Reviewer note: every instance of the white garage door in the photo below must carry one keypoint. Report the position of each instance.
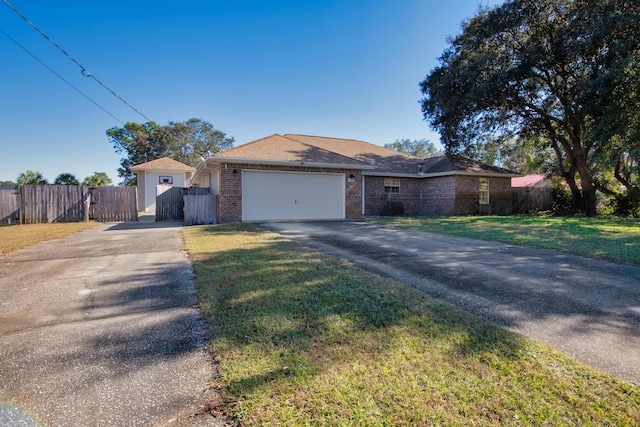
(292, 195)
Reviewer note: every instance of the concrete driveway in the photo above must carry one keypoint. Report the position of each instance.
(99, 329)
(588, 309)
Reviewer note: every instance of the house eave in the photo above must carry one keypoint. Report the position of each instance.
(439, 174)
(173, 171)
(221, 160)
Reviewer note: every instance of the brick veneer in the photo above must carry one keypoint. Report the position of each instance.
(230, 199)
(446, 195)
(467, 196)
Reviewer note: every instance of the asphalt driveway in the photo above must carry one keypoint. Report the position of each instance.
(99, 328)
(588, 309)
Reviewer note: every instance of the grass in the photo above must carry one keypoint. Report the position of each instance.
(14, 237)
(302, 339)
(611, 239)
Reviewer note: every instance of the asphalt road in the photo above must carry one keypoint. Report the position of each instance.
(586, 308)
(99, 329)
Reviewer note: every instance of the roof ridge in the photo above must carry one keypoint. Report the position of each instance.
(323, 137)
(246, 143)
(377, 147)
(322, 148)
(158, 164)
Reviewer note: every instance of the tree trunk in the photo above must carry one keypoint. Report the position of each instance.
(589, 200)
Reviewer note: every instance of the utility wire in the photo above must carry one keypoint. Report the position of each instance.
(83, 70)
(59, 76)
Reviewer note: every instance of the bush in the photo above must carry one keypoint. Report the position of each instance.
(562, 201)
(628, 203)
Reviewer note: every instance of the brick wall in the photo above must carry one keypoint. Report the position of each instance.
(447, 195)
(440, 195)
(379, 203)
(467, 199)
(230, 197)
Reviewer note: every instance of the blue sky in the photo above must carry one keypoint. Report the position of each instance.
(346, 69)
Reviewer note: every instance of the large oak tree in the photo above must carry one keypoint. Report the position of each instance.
(564, 73)
(187, 142)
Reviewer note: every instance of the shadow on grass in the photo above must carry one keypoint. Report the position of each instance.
(291, 313)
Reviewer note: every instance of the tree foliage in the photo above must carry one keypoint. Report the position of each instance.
(562, 73)
(98, 179)
(31, 178)
(418, 147)
(187, 142)
(66, 179)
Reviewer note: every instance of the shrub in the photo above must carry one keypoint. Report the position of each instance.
(628, 203)
(563, 203)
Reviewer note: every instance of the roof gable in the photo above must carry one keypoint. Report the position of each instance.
(295, 148)
(384, 159)
(459, 164)
(164, 163)
(283, 149)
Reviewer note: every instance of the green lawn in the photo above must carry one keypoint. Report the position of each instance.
(616, 240)
(302, 339)
(14, 237)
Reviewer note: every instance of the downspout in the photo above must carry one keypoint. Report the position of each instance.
(363, 195)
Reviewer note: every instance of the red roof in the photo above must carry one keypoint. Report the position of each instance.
(532, 180)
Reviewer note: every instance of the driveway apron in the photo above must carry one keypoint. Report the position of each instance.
(586, 308)
(99, 328)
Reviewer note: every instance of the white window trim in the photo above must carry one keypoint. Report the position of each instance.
(483, 193)
(391, 184)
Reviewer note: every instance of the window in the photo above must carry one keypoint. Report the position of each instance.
(392, 185)
(166, 180)
(483, 191)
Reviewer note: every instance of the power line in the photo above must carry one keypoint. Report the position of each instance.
(83, 69)
(59, 76)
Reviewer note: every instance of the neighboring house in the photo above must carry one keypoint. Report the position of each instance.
(164, 172)
(284, 177)
(531, 181)
(532, 193)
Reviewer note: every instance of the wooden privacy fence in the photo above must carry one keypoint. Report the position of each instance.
(169, 203)
(54, 203)
(10, 207)
(527, 200)
(33, 204)
(190, 205)
(199, 209)
(114, 204)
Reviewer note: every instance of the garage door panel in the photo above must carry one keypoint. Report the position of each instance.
(284, 195)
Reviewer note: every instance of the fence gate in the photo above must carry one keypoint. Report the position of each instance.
(169, 203)
(10, 206)
(199, 208)
(114, 204)
(190, 205)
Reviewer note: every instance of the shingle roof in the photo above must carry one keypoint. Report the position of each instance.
(444, 164)
(318, 149)
(384, 159)
(280, 148)
(164, 163)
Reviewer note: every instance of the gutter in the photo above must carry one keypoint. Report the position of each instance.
(439, 174)
(290, 163)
